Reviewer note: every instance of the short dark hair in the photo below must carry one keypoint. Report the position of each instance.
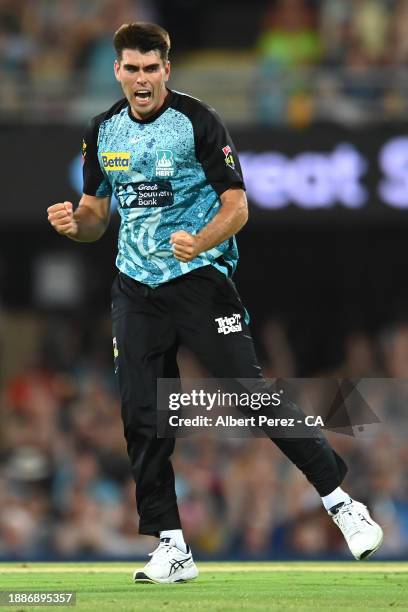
(142, 36)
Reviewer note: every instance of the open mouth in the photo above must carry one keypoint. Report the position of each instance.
(143, 95)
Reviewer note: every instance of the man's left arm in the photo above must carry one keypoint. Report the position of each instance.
(231, 217)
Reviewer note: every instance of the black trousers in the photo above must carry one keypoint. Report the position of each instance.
(148, 326)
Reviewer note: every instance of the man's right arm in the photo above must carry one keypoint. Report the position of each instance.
(87, 223)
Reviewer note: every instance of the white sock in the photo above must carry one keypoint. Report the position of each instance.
(335, 497)
(177, 536)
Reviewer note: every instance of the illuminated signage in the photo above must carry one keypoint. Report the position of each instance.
(316, 180)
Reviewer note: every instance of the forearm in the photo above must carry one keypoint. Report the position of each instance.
(86, 224)
(90, 226)
(231, 217)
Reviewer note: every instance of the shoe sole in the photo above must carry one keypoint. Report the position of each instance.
(143, 578)
(367, 553)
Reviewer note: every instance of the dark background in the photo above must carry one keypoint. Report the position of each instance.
(323, 272)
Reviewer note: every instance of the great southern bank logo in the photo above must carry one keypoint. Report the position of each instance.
(115, 161)
(229, 325)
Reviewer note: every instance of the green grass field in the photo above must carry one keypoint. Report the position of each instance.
(333, 587)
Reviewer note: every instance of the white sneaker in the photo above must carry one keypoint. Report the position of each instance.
(363, 535)
(167, 564)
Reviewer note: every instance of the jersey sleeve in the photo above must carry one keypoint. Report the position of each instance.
(216, 153)
(95, 181)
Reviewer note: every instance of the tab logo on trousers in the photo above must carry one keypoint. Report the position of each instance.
(229, 325)
(115, 161)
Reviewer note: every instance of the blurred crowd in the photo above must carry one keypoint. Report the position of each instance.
(66, 487)
(65, 482)
(327, 59)
(334, 59)
(60, 49)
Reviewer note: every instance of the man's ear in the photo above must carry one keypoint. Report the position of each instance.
(116, 69)
(167, 71)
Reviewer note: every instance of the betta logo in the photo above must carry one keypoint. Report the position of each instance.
(115, 161)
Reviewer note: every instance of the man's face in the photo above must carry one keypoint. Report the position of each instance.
(143, 77)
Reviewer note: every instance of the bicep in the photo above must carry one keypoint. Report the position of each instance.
(96, 182)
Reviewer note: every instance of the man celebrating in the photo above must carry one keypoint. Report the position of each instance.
(174, 169)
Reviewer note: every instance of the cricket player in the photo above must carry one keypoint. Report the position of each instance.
(173, 167)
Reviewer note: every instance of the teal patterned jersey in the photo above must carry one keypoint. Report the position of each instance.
(167, 173)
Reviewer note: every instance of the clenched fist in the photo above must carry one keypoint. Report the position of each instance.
(61, 217)
(185, 246)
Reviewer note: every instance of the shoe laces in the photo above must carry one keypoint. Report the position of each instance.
(350, 520)
(161, 552)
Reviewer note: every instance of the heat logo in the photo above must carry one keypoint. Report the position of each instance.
(229, 325)
(164, 162)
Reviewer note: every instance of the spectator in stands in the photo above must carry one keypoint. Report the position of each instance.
(280, 359)
(399, 25)
(289, 35)
(334, 27)
(288, 44)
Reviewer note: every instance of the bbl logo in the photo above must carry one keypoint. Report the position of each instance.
(164, 162)
(84, 145)
(229, 159)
